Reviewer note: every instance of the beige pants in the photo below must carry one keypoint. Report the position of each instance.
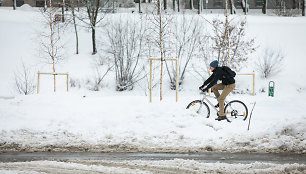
(226, 90)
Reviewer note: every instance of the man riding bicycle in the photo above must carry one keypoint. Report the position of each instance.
(227, 85)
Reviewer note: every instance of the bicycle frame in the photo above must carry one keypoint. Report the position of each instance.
(209, 102)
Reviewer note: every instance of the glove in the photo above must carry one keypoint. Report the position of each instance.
(205, 90)
(201, 87)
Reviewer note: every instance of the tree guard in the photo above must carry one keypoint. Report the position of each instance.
(53, 74)
(176, 82)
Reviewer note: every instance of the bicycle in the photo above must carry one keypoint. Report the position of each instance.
(234, 109)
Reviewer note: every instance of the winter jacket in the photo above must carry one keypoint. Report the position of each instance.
(218, 74)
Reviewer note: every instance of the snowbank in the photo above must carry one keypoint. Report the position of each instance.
(67, 122)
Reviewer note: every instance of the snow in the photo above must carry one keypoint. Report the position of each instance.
(106, 120)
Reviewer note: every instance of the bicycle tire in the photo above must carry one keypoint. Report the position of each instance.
(196, 104)
(236, 109)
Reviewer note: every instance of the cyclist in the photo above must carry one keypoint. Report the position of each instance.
(227, 85)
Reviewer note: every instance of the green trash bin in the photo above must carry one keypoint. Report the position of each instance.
(271, 88)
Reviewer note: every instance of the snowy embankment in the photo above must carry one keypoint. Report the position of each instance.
(125, 123)
(83, 120)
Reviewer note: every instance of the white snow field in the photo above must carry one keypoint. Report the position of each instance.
(111, 121)
(83, 120)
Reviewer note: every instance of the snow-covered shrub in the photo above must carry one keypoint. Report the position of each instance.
(102, 68)
(125, 47)
(24, 80)
(269, 63)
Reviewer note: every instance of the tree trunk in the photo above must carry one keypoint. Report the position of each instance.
(191, 4)
(14, 4)
(45, 6)
(246, 7)
(178, 5)
(264, 7)
(173, 5)
(303, 8)
(63, 14)
(199, 5)
(93, 35)
(165, 4)
(139, 6)
(75, 30)
(293, 4)
(231, 6)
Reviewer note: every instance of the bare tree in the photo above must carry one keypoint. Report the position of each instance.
(93, 17)
(188, 31)
(270, 63)
(236, 52)
(160, 34)
(125, 46)
(72, 5)
(24, 80)
(283, 8)
(51, 52)
(75, 30)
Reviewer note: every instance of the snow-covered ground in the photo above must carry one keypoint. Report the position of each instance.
(83, 120)
(101, 123)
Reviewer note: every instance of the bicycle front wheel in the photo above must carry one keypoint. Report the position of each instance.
(199, 107)
(236, 110)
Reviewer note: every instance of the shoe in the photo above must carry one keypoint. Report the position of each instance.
(220, 118)
(217, 105)
(218, 114)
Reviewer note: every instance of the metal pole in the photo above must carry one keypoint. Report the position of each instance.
(251, 116)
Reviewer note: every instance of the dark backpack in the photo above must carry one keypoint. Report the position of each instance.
(228, 71)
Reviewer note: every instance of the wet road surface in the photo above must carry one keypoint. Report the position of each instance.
(208, 157)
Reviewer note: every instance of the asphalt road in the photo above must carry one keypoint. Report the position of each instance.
(209, 157)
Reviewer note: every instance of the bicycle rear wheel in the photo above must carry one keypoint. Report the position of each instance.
(199, 107)
(236, 110)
